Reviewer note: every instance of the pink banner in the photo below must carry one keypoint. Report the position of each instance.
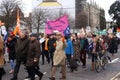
(60, 25)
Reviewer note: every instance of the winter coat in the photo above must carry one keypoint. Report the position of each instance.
(96, 47)
(84, 44)
(1, 53)
(22, 49)
(69, 49)
(76, 46)
(1, 61)
(11, 46)
(59, 54)
(33, 53)
(51, 45)
(112, 45)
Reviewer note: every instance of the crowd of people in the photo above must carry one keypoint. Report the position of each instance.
(59, 50)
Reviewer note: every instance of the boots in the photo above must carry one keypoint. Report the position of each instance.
(40, 77)
(52, 78)
(92, 66)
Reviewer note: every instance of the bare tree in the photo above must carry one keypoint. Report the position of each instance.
(81, 20)
(6, 9)
(38, 18)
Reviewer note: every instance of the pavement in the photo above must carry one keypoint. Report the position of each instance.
(112, 71)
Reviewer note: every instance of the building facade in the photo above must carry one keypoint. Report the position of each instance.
(95, 15)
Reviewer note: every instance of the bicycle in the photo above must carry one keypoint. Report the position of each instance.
(101, 61)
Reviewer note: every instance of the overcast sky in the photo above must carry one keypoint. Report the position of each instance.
(105, 4)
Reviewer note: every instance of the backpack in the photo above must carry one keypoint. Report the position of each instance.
(73, 64)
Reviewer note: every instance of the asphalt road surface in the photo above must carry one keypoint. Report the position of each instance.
(111, 73)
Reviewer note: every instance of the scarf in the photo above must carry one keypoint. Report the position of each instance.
(46, 44)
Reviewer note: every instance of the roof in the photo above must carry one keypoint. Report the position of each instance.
(50, 4)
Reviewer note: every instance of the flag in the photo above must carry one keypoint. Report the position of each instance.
(17, 28)
(60, 25)
(118, 29)
(0, 22)
(67, 31)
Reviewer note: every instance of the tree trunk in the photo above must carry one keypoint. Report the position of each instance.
(38, 27)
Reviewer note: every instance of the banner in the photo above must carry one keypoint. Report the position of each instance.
(17, 28)
(60, 25)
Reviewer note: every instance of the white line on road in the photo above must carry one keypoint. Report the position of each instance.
(114, 78)
(115, 60)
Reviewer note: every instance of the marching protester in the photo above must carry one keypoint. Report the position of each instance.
(97, 48)
(93, 45)
(1, 57)
(45, 48)
(83, 49)
(76, 46)
(33, 58)
(89, 51)
(52, 41)
(111, 44)
(69, 50)
(11, 42)
(59, 57)
(76, 54)
(116, 44)
(21, 50)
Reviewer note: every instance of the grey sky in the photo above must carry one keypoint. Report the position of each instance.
(105, 4)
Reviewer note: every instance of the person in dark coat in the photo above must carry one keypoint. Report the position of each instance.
(116, 44)
(52, 41)
(11, 42)
(21, 50)
(111, 44)
(45, 48)
(33, 58)
(83, 45)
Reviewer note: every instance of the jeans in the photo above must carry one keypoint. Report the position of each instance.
(12, 64)
(16, 69)
(68, 59)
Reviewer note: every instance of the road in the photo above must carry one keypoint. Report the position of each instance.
(111, 73)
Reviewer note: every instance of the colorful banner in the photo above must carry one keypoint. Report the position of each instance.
(60, 25)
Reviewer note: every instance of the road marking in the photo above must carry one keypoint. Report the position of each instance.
(115, 77)
(115, 60)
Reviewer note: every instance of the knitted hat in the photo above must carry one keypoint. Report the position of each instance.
(33, 35)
